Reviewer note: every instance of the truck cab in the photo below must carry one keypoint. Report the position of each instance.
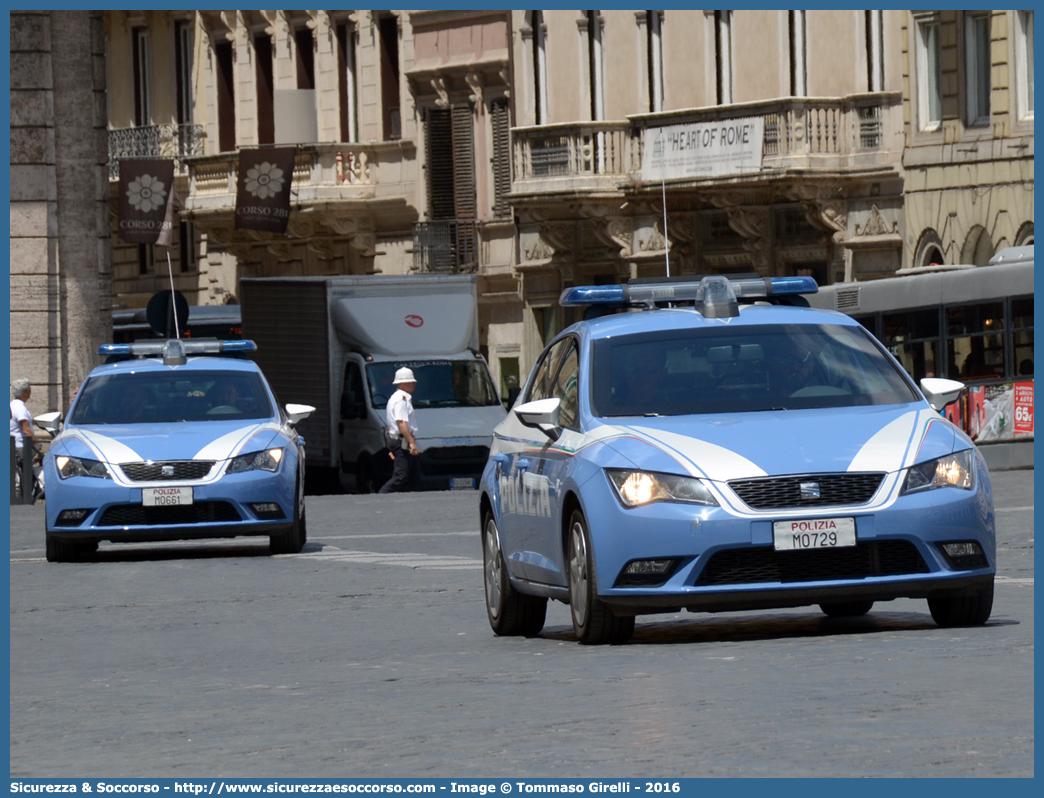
(456, 407)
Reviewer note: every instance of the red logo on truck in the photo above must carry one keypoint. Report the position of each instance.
(414, 321)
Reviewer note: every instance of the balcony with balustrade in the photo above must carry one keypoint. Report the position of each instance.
(802, 135)
(154, 141)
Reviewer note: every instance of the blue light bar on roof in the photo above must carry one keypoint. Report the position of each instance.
(682, 291)
(158, 348)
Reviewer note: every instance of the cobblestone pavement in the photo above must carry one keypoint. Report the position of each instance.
(369, 654)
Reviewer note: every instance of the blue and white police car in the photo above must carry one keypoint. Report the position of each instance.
(724, 447)
(175, 443)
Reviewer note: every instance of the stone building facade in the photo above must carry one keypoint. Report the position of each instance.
(510, 144)
(61, 279)
(968, 121)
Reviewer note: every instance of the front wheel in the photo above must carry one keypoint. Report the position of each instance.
(973, 610)
(510, 612)
(593, 620)
(64, 550)
(293, 540)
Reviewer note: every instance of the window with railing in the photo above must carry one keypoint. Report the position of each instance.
(445, 247)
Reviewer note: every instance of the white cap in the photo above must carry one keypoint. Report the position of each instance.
(403, 375)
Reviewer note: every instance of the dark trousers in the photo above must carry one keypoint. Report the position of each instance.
(406, 474)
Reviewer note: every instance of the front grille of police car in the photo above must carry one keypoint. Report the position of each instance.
(169, 515)
(167, 470)
(764, 564)
(776, 493)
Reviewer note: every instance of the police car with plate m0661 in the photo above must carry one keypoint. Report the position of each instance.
(175, 440)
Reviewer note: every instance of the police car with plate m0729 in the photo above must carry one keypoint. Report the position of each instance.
(176, 440)
(722, 447)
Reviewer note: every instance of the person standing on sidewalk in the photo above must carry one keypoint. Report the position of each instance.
(21, 420)
(402, 432)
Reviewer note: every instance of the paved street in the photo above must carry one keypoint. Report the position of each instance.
(369, 654)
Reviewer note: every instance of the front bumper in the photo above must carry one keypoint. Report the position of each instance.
(724, 561)
(223, 508)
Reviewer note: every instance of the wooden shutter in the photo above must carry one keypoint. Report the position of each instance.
(463, 161)
(501, 117)
(441, 204)
(226, 96)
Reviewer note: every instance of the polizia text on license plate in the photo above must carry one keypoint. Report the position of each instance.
(813, 533)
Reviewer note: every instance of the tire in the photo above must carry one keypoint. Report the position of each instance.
(510, 613)
(593, 620)
(293, 540)
(62, 550)
(847, 609)
(972, 610)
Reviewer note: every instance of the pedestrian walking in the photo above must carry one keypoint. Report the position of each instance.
(402, 433)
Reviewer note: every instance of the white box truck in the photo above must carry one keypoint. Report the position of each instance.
(336, 342)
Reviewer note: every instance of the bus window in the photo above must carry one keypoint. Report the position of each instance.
(1022, 335)
(913, 339)
(975, 340)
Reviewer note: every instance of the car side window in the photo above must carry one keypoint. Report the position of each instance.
(566, 389)
(542, 386)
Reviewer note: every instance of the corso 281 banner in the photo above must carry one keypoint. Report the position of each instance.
(263, 195)
(146, 201)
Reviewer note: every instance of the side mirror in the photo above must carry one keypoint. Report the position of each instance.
(52, 422)
(542, 414)
(298, 413)
(940, 392)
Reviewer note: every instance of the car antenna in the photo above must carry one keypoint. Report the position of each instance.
(173, 312)
(666, 241)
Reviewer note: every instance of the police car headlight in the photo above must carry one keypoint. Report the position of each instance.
(952, 471)
(80, 467)
(268, 460)
(637, 488)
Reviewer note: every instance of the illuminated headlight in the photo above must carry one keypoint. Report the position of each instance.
(952, 471)
(637, 488)
(80, 467)
(267, 460)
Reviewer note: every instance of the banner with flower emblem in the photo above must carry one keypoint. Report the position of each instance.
(263, 197)
(146, 204)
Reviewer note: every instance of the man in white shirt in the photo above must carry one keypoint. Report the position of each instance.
(21, 420)
(402, 431)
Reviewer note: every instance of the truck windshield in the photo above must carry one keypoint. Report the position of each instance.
(743, 369)
(164, 397)
(440, 383)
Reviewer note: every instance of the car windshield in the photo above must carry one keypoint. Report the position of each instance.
(440, 383)
(742, 369)
(163, 397)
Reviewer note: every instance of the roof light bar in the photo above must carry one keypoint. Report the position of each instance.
(638, 294)
(159, 348)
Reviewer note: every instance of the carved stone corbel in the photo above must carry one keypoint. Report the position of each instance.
(475, 84)
(755, 225)
(439, 84)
